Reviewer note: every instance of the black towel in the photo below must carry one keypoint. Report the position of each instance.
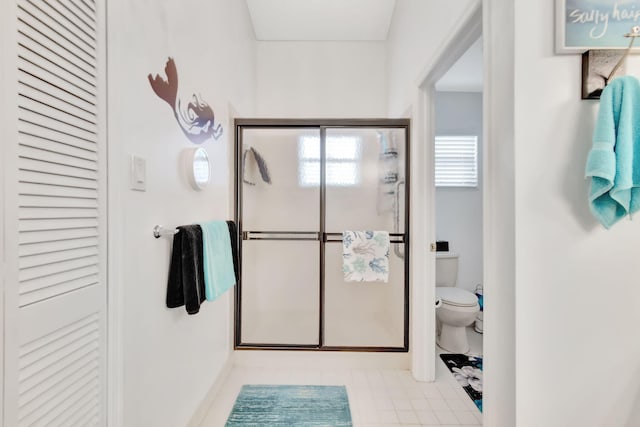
(233, 235)
(186, 272)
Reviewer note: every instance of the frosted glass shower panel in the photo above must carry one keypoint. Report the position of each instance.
(363, 314)
(280, 285)
(300, 185)
(291, 201)
(365, 179)
(369, 197)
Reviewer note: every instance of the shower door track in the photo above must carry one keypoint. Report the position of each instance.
(322, 237)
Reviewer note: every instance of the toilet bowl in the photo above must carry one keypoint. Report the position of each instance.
(458, 308)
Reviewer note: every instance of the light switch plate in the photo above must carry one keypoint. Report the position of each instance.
(138, 173)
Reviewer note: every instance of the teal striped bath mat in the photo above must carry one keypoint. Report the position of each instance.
(291, 405)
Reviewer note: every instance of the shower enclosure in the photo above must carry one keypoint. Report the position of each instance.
(299, 184)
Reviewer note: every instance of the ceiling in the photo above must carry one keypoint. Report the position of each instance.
(466, 74)
(350, 20)
(315, 20)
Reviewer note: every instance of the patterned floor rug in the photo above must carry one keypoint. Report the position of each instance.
(467, 370)
(291, 405)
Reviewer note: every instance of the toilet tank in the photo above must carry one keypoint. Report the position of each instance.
(446, 268)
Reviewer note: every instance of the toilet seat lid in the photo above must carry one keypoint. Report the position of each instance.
(456, 296)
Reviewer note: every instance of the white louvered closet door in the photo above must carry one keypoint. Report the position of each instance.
(55, 290)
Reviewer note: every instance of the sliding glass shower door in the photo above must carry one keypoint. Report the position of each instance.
(299, 185)
(280, 248)
(365, 170)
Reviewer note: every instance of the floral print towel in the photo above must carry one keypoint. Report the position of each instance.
(365, 256)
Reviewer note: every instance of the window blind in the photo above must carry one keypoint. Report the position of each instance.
(456, 161)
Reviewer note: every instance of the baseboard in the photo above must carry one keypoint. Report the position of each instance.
(203, 408)
(323, 360)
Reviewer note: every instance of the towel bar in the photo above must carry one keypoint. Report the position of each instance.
(159, 231)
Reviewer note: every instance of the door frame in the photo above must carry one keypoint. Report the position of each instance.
(116, 209)
(462, 36)
(494, 19)
(322, 125)
(8, 198)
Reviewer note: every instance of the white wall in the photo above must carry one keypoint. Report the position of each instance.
(334, 80)
(576, 283)
(170, 359)
(321, 79)
(459, 210)
(418, 30)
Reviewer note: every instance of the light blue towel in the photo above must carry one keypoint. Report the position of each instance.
(219, 275)
(365, 256)
(614, 161)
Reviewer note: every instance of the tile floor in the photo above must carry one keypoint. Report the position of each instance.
(376, 397)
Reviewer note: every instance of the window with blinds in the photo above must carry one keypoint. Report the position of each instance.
(456, 161)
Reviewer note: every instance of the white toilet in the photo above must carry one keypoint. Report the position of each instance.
(458, 309)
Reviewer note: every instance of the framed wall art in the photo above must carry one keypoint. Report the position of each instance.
(594, 24)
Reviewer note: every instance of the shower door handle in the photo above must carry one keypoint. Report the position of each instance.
(396, 217)
(337, 237)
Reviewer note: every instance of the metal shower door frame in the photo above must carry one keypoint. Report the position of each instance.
(322, 236)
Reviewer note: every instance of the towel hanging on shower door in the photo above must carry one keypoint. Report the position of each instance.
(365, 256)
(262, 166)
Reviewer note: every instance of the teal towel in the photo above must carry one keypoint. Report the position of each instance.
(614, 161)
(219, 275)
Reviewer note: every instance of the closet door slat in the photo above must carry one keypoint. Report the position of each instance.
(35, 22)
(56, 170)
(28, 250)
(57, 103)
(79, 15)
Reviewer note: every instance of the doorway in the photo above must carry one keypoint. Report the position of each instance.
(458, 186)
